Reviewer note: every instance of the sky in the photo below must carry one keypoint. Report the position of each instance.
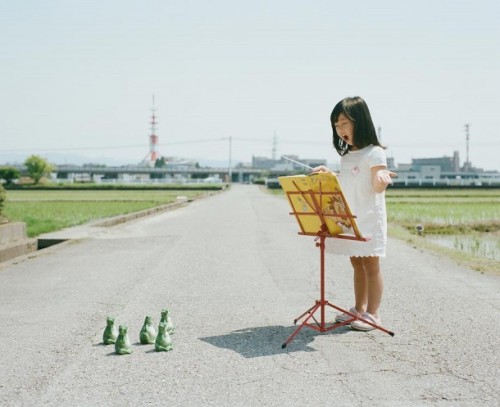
(232, 79)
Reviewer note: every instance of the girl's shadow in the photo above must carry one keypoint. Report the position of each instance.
(268, 340)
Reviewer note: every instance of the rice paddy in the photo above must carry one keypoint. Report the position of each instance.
(460, 223)
(445, 212)
(47, 211)
(466, 222)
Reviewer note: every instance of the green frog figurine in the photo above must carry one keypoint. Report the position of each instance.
(110, 332)
(163, 341)
(165, 318)
(148, 332)
(122, 345)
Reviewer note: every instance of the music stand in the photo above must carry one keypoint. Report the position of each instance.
(321, 210)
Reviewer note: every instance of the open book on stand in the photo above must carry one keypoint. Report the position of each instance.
(318, 202)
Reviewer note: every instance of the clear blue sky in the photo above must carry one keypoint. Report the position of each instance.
(78, 76)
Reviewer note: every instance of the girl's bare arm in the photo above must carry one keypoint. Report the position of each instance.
(381, 178)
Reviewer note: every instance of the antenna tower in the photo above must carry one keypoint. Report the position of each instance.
(153, 154)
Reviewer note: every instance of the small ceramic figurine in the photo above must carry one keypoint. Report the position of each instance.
(163, 341)
(122, 345)
(110, 332)
(148, 332)
(165, 318)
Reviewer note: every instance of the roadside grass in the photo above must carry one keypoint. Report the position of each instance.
(48, 211)
(453, 213)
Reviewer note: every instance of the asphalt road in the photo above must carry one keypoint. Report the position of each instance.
(234, 274)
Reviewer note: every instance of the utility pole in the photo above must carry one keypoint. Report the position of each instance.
(275, 142)
(467, 162)
(230, 158)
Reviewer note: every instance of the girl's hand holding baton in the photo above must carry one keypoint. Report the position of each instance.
(322, 168)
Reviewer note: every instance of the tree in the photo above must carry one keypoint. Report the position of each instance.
(8, 174)
(160, 163)
(37, 167)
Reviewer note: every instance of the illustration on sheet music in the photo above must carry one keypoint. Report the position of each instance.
(319, 193)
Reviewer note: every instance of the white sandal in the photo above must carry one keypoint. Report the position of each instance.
(344, 317)
(363, 326)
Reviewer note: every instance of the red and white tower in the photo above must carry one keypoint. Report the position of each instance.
(154, 153)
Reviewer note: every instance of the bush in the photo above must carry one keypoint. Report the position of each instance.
(9, 174)
(3, 196)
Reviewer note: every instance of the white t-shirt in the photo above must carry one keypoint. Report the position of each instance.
(367, 205)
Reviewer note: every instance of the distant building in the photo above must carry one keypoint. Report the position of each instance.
(428, 168)
(390, 162)
(443, 171)
(447, 164)
(180, 163)
(313, 162)
(264, 163)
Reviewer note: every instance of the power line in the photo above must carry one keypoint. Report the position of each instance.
(101, 147)
(119, 147)
(265, 141)
(69, 148)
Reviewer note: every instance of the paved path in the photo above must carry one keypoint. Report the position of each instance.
(234, 273)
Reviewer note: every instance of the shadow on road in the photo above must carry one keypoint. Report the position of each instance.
(267, 340)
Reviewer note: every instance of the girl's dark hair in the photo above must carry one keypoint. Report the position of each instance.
(356, 109)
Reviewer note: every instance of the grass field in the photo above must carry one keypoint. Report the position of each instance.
(47, 211)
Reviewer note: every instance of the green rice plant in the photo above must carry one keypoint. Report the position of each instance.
(444, 212)
(44, 217)
(446, 216)
(470, 217)
(475, 245)
(444, 193)
(96, 195)
(48, 211)
(458, 244)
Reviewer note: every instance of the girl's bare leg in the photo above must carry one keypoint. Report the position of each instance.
(360, 284)
(375, 284)
(368, 284)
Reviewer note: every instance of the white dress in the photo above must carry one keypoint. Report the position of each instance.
(367, 205)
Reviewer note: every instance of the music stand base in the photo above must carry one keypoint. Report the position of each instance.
(322, 326)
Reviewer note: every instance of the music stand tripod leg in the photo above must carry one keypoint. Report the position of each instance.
(311, 312)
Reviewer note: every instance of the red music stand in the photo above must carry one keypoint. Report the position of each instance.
(321, 210)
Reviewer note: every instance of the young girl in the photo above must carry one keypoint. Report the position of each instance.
(364, 178)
